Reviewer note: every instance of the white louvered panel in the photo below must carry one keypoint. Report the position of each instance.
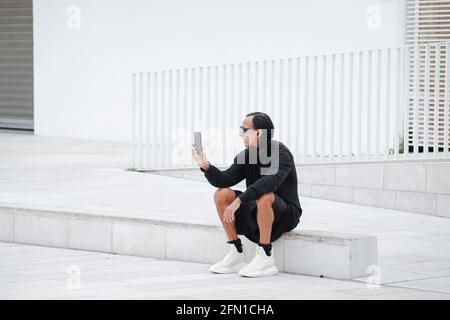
(16, 63)
(428, 21)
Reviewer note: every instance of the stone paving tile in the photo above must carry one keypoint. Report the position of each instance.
(107, 276)
(438, 284)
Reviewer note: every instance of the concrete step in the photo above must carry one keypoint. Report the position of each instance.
(307, 252)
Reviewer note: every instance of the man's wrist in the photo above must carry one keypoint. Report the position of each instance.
(205, 166)
(240, 198)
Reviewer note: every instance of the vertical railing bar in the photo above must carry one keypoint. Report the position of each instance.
(264, 87)
(437, 77)
(314, 106)
(178, 112)
(297, 106)
(200, 115)
(178, 99)
(141, 106)
(416, 79)
(208, 97)
(193, 99)
(323, 105)
(307, 106)
(388, 103)
(447, 99)
(216, 110)
(199, 120)
(341, 107)
(248, 85)
(398, 100)
(288, 112)
(163, 116)
(406, 104)
(272, 88)
(360, 105)
(186, 114)
(369, 104)
(256, 82)
(240, 91)
(378, 105)
(148, 119)
(137, 124)
(198, 100)
(233, 112)
(193, 113)
(416, 102)
(208, 111)
(224, 113)
(332, 105)
(155, 121)
(133, 121)
(171, 114)
(280, 96)
(350, 106)
(426, 101)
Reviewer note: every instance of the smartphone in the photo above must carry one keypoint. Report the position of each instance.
(198, 142)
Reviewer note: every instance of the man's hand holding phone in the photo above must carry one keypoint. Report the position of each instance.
(200, 159)
(197, 151)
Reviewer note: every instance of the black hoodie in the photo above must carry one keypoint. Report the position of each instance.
(283, 182)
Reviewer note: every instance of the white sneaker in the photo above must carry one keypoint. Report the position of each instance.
(262, 265)
(232, 262)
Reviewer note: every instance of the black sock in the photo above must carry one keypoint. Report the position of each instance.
(237, 243)
(267, 248)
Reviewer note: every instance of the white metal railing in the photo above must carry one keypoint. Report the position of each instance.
(326, 108)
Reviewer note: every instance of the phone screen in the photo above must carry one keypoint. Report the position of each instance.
(198, 142)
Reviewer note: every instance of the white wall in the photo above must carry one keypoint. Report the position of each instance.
(82, 76)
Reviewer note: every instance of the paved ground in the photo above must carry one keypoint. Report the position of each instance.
(32, 272)
(89, 176)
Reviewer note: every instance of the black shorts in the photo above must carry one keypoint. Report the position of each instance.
(286, 218)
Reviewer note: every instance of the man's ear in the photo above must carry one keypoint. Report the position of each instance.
(259, 132)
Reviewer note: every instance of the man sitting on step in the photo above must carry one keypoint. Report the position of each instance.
(269, 206)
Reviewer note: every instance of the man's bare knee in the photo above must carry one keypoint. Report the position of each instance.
(266, 200)
(222, 195)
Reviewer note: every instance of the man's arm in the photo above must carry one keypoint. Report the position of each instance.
(227, 178)
(270, 183)
(220, 179)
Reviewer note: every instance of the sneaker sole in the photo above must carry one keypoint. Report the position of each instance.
(236, 268)
(266, 273)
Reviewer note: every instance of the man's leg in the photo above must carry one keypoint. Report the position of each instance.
(262, 264)
(265, 216)
(234, 260)
(223, 197)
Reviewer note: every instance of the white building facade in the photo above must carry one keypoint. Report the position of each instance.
(85, 51)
